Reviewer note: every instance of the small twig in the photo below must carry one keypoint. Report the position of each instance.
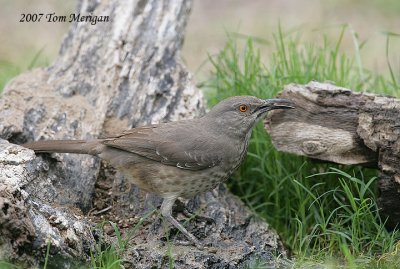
(103, 210)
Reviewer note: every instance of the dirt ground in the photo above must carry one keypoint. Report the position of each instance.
(210, 22)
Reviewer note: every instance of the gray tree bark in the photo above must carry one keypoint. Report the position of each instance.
(109, 77)
(335, 124)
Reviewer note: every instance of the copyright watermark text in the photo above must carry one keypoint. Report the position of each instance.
(52, 17)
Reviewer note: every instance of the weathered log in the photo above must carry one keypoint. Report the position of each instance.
(108, 77)
(335, 124)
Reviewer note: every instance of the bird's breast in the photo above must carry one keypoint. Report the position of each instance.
(237, 154)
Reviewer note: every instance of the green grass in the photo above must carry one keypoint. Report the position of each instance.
(10, 70)
(7, 72)
(324, 213)
(8, 265)
(109, 256)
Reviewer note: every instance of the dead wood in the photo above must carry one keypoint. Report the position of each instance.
(335, 124)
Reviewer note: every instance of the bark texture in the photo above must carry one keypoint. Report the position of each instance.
(335, 124)
(109, 77)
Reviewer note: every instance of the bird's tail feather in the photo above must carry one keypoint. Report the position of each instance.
(92, 147)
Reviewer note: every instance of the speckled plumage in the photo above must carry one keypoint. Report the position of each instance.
(179, 159)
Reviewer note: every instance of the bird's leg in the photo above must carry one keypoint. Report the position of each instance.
(166, 212)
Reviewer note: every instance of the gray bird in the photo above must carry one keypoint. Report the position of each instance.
(178, 159)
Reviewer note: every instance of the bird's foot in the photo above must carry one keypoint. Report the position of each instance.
(180, 207)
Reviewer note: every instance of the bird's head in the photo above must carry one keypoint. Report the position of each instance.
(239, 114)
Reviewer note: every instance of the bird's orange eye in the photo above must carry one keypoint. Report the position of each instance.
(243, 108)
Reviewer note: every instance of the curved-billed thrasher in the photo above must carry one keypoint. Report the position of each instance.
(178, 159)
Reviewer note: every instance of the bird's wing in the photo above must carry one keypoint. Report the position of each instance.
(170, 144)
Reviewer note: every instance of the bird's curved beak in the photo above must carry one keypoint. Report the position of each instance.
(271, 104)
